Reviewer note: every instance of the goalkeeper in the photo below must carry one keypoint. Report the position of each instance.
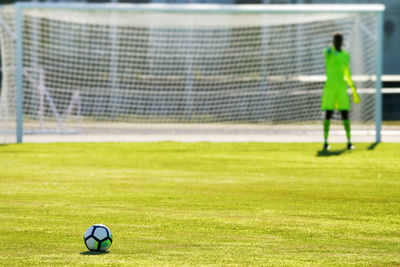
(335, 96)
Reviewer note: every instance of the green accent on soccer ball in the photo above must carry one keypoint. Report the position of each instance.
(105, 245)
(95, 245)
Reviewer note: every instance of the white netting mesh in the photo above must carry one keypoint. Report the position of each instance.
(87, 69)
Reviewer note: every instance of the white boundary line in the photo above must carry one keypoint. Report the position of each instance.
(219, 133)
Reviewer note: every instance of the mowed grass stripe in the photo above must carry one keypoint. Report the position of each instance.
(201, 204)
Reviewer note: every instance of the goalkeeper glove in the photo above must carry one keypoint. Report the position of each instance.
(356, 97)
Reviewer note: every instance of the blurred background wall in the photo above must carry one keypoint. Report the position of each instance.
(391, 55)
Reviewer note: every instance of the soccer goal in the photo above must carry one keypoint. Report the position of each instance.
(86, 70)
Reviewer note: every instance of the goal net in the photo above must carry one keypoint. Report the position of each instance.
(82, 70)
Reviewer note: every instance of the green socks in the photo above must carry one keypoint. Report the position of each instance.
(327, 124)
(346, 124)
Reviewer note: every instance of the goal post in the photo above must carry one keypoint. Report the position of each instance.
(85, 69)
(379, 63)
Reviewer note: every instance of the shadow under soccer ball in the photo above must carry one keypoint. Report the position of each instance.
(89, 253)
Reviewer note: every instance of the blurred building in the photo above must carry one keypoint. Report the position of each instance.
(391, 59)
(391, 55)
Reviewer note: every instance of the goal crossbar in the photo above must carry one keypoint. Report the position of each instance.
(210, 8)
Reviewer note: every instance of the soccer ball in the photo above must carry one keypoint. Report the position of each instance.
(97, 238)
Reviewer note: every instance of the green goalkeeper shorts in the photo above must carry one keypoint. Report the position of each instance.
(335, 99)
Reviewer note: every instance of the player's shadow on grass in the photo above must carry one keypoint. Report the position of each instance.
(372, 146)
(329, 153)
(89, 253)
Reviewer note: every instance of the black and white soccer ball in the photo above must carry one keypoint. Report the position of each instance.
(98, 238)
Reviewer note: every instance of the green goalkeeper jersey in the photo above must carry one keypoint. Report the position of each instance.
(338, 74)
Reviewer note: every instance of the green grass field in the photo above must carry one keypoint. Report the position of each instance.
(201, 204)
